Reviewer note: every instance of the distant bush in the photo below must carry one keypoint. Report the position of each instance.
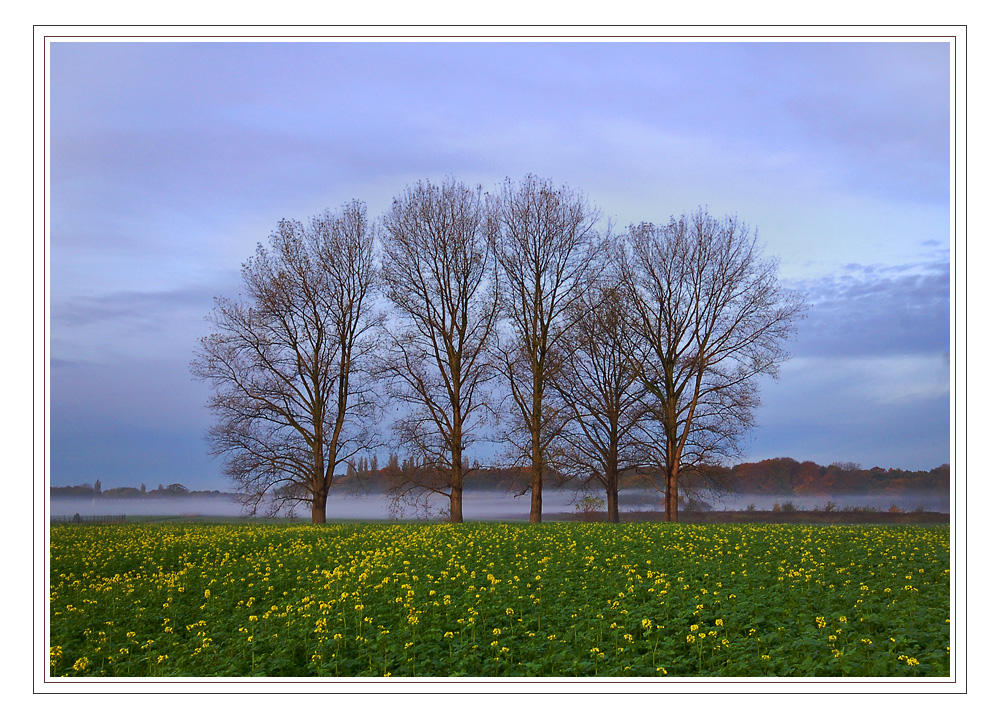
(172, 490)
(121, 492)
(867, 509)
(696, 505)
(80, 490)
(590, 506)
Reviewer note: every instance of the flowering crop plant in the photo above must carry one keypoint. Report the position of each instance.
(496, 599)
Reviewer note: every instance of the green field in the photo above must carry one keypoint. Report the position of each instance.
(481, 600)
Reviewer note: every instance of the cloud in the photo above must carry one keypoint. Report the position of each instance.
(877, 310)
(892, 411)
(869, 381)
(876, 113)
(122, 327)
(151, 307)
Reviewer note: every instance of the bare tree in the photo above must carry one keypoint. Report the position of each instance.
(287, 363)
(440, 275)
(547, 250)
(599, 383)
(712, 318)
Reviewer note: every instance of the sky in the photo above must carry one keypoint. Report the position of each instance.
(169, 162)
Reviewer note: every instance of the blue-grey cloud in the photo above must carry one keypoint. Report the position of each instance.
(870, 310)
(147, 307)
(886, 411)
(121, 328)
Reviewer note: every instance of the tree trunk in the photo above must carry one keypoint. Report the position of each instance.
(613, 499)
(319, 506)
(320, 489)
(456, 491)
(670, 505)
(536, 478)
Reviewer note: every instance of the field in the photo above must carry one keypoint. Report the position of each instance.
(482, 600)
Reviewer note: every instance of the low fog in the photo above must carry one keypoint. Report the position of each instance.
(481, 505)
(477, 505)
(931, 502)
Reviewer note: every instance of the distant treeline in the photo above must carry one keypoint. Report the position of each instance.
(161, 492)
(770, 476)
(785, 475)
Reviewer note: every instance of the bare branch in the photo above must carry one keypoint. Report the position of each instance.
(602, 394)
(712, 319)
(547, 254)
(288, 364)
(440, 275)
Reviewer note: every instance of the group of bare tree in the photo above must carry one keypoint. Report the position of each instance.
(516, 317)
